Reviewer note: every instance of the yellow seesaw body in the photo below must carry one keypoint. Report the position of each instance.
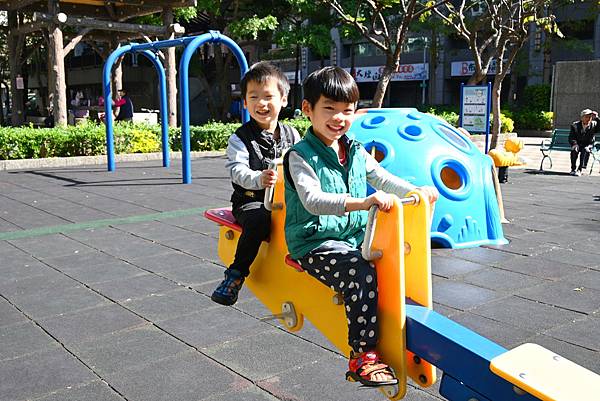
(404, 270)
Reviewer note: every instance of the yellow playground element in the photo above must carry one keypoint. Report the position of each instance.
(509, 156)
(403, 270)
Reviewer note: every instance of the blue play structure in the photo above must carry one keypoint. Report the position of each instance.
(425, 150)
(150, 50)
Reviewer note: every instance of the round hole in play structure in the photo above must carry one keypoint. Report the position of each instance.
(451, 178)
(377, 151)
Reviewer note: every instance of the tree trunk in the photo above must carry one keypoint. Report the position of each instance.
(117, 72)
(14, 51)
(496, 91)
(57, 61)
(390, 66)
(171, 71)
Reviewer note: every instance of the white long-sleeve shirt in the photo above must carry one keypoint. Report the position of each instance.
(318, 202)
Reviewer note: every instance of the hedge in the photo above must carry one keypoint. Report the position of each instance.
(88, 139)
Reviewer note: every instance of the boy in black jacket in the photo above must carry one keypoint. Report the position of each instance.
(249, 152)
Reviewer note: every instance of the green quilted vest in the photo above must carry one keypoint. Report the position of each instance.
(305, 231)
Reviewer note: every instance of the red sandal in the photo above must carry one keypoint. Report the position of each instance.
(362, 368)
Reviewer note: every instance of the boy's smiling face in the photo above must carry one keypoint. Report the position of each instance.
(264, 102)
(330, 119)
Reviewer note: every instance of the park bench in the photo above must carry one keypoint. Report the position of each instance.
(560, 143)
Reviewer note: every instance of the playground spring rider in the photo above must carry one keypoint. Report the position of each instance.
(414, 338)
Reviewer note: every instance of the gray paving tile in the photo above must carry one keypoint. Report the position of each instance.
(57, 301)
(572, 256)
(194, 276)
(134, 287)
(520, 246)
(22, 267)
(80, 326)
(246, 393)
(155, 230)
(582, 332)
(186, 377)
(41, 373)
(166, 261)
(9, 314)
(199, 245)
(130, 247)
(265, 354)
(501, 280)
(37, 282)
(588, 245)
(94, 391)
(91, 274)
(586, 279)
(170, 305)
(21, 339)
(47, 246)
(565, 295)
(526, 314)
(542, 268)
(449, 267)
(480, 255)
(126, 349)
(214, 326)
(460, 295)
(322, 380)
(75, 261)
(502, 333)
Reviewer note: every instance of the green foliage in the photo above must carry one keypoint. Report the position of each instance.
(249, 28)
(531, 119)
(536, 97)
(301, 124)
(532, 113)
(448, 113)
(87, 139)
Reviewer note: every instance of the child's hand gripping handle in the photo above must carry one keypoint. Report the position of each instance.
(373, 254)
(270, 191)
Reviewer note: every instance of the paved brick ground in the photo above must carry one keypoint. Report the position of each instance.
(105, 281)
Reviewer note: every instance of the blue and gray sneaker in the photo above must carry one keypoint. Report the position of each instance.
(227, 292)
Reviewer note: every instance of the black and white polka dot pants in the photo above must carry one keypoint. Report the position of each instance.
(342, 267)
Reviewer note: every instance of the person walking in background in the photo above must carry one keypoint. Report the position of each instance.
(581, 139)
(125, 106)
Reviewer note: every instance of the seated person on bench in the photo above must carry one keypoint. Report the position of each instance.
(582, 138)
(249, 152)
(326, 198)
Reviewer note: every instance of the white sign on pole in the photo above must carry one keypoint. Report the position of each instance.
(475, 107)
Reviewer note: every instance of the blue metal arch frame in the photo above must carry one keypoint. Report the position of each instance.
(212, 37)
(149, 50)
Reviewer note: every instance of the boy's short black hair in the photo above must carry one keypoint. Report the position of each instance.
(260, 73)
(331, 82)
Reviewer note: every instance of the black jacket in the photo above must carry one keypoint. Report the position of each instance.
(262, 149)
(584, 137)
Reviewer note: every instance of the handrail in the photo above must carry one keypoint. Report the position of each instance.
(366, 251)
(270, 191)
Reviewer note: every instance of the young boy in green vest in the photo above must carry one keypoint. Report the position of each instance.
(326, 199)
(249, 151)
